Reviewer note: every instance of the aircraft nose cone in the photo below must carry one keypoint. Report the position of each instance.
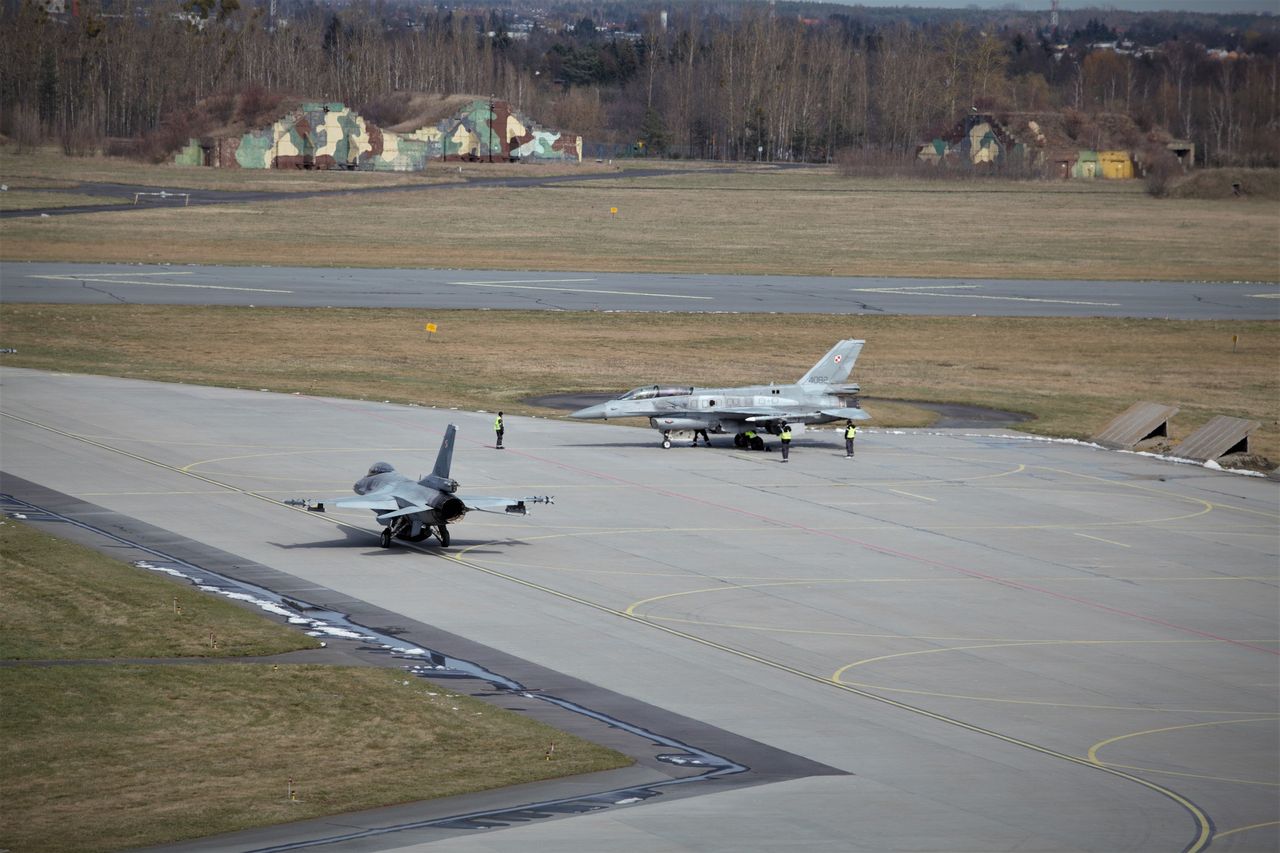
(590, 412)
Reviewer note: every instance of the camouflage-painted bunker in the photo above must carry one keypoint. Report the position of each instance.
(977, 139)
(1053, 144)
(333, 136)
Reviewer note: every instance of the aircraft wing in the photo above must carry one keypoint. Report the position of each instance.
(366, 502)
(408, 510)
(757, 414)
(746, 413)
(382, 499)
(514, 506)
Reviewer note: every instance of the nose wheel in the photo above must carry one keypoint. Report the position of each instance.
(666, 438)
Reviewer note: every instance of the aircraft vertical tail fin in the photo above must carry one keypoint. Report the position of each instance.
(835, 366)
(444, 459)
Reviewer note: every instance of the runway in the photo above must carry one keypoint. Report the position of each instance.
(998, 642)
(105, 284)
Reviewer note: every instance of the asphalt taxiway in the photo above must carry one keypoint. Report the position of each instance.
(106, 284)
(992, 641)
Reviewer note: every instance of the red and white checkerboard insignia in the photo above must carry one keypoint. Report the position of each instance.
(839, 358)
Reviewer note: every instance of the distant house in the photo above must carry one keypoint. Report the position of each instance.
(1054, 145)
(333, 136)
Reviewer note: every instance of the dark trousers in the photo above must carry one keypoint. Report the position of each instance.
(786, 449)
(848, 447)
(498, 433)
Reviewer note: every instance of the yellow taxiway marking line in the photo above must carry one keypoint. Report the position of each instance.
(518, 286)
(913, 495)
(1097, 747)
(920, 291)
(1265, 823)
(1203, 827)
(103, 280)
(1100, 539)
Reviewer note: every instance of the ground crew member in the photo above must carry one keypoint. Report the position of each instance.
(703, 433)
(850, 433)
(785, 436)
(751, 436)
(498, 430)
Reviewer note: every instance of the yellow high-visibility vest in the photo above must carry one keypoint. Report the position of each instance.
(851, 431)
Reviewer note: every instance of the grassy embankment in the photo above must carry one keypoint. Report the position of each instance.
(103, 757)
(47, 167)
(1073, 375)
(806, 221)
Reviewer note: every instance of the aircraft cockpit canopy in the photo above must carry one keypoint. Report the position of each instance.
(379, 468)
(648, 392)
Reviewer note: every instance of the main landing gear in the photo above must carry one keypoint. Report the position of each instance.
(401, 528)
(755, 442)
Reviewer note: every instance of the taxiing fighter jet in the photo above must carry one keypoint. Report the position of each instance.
(411, 510)
(821, 396)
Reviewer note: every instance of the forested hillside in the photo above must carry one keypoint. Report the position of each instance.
(716, 80)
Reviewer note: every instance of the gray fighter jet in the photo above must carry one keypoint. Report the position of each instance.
(821, 396)
(411, 510)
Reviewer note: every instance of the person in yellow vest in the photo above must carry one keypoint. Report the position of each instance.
(850, 433)
(785, 437)
(498, 430)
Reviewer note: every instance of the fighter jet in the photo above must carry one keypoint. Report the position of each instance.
(821, 396)
(411, 510)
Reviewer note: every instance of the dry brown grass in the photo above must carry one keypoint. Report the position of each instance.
(1072, 374)
(48, 166)
(27, 199)
(807, 221)
(64, 601)
(106, 757)
(103, 758)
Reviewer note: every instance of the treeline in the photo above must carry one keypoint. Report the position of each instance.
(736, 81)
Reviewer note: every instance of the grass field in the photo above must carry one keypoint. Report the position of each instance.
(105, 757)
(808, 221)
(49, 167)
(1073, 375)
(27, 199)
(61, 601)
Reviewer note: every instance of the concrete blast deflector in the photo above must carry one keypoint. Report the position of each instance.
(1137, 423)
(1218, 437)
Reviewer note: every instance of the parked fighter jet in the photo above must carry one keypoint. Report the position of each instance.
(821, 396)
(412, 511)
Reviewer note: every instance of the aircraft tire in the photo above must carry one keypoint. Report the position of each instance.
(443, 533)
(666, 443)
(739, 440)
(757, 443)
(385, 538)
